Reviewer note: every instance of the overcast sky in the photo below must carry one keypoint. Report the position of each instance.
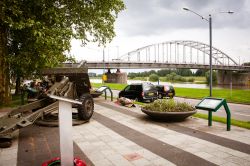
(147, 22)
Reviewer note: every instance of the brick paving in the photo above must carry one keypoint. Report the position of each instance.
(121, 136)
(39, 144)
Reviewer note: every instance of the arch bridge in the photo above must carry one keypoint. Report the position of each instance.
(173, 54)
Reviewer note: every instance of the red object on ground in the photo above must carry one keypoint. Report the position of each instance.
(57, 160)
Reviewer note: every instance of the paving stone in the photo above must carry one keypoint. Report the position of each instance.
(216, 160)
(96, 156)
(162, 162)
(6, 162)
(239, 161)
(192, 150)
(229, 164)
(222, 154)
(141, 162)
(204, 155)
(246, 158)
(237, 153)
(146, 154)
(103, 162)
(118, 159)
(108, 152)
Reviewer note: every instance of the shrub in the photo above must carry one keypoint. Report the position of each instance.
(169, 106)
(170, 77)
(153, 78)
(214, 77)
(190, 79)
(132, 76)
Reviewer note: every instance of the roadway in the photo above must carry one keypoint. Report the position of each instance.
(238, 111)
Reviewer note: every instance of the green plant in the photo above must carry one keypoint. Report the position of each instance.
(169, 106)
(214, 77)
(154, 78)
(190, 79)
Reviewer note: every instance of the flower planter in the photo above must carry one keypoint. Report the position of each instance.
(168, 116)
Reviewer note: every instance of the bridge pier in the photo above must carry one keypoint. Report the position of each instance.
(116, 77)
(236, 78)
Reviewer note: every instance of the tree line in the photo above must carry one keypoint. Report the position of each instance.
(165, 72)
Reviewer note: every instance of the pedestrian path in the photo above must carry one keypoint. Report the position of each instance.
(210, 151)
(121, 136)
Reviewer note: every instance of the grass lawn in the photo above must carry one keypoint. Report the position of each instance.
(224, 120)
(197, 79)
(16, 101)
(238, 96)
(111, 85)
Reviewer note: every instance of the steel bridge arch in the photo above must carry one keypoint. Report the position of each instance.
(162, 49)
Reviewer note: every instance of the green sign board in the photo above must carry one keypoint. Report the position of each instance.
(212, 105)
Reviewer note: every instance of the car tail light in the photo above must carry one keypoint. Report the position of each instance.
(142, 94)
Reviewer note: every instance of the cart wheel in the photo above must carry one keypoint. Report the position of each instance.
(86, 109)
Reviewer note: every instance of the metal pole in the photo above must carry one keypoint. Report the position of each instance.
(231, 84)
(210, 56)
(103, 54)
(210, 118)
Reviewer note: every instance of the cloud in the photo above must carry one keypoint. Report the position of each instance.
(147, 17)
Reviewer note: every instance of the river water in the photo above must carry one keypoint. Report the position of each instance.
(180, 85)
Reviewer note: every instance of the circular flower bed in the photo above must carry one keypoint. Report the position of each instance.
(169, 110)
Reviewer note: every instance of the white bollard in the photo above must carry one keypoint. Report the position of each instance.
(65, 128)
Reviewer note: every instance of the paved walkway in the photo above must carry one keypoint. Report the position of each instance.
(238, 111)
(125, 136)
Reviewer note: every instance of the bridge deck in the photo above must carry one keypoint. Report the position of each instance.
(159, 65)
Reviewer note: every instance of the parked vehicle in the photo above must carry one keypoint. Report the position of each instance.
(165, 91)
(140, 92)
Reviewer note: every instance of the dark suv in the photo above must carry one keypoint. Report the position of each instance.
(165, 91)
(140, 92)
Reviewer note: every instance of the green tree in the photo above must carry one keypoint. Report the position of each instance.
(154, 78)
(246, 64)
(184, 72)
(163, 72)
(200, 72)
(36, 33)
(214, 77)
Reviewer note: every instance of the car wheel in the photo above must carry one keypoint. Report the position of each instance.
(160, 96)
(86, 109)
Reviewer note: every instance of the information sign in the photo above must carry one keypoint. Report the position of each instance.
(212, 105)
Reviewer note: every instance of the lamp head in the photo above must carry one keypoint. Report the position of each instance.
(185, 9)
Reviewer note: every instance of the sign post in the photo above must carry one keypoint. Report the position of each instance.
(65, 129)
(212, 105)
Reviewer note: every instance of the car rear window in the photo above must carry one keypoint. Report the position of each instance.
(135, 87)
(148, 86)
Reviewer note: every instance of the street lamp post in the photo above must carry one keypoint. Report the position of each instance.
(210, 57)
(209, 20)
